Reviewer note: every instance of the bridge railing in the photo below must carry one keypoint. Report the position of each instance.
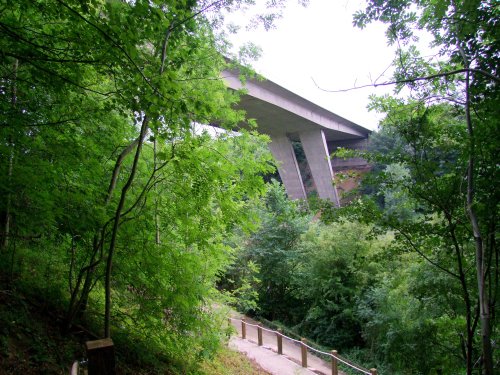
(335, 358)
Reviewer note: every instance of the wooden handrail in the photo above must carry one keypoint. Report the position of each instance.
(335, 357)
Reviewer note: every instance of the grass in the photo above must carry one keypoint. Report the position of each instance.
(230, 362)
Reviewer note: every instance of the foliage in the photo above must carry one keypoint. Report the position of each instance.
(335, 269)
(245, 293)
(412, 319)
(169, 287)
(448, 126)
(113, 201)
(431, 223)
(312, 274)
(274, 249)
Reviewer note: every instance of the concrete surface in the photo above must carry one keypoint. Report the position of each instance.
(267, 355)
(286, 116)
(288, 168)
(268, 359)
(317, 155)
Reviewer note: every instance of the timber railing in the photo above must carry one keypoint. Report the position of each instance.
(100, 359)
(335, 358)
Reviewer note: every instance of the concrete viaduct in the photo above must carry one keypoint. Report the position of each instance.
(287, 117)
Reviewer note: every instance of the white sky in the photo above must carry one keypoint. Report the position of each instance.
(319, 42)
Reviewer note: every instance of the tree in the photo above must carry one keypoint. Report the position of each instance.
(412, 317)
(466, 75)
(274, 249)
(86, 90)
(335, 268)
(438, 230)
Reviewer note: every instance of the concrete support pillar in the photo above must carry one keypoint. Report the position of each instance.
(288, 168)
(314, 145)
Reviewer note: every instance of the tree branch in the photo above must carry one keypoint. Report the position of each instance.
(415, 79)
(408, 239)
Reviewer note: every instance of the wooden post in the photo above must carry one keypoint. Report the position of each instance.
(373, 371)
(335, 369)
(259, 334)
(75, 368)
(304, 352)
(101, 356)
(243, 329)
(279, 337)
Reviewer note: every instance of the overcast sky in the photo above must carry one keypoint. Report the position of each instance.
(320, 43)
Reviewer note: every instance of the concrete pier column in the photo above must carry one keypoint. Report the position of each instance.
(288, 168)
(316, 150)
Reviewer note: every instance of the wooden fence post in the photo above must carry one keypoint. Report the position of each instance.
(279, 337)
(335, 369)
(373, 371)
(304, 352)
(75, 368)
(101, 356)
(259, 334)
(243, 329)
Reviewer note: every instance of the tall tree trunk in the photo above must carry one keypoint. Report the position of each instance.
(116, 226)
(484, 313)
(8, 203)
(157, 198)
(469, 343)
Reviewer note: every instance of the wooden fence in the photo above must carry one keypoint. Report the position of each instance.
(335, 358)
(100, 359)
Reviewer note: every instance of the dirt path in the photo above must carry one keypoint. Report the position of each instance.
(266, 355)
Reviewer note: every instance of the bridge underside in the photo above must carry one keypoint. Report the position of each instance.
(286, 118)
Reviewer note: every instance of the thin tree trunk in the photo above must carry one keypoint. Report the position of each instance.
(116, 225)
(469, 344)
(157, 198)
(79, 294)
(116, 169)
(6, 226)
(484, 314)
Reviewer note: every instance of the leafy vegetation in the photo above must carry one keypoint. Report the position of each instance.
(116, 208)
(311, 275)
(120, 218)
(450, 126)
(416, 290)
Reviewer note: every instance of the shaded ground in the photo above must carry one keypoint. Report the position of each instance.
(30, 338)
(31, 343)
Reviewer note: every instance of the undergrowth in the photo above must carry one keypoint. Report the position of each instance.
(32, 342)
